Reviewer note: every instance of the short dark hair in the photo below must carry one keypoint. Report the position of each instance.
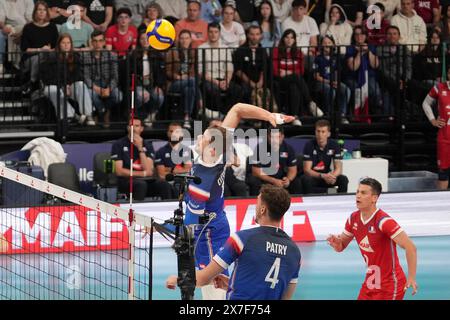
(97, 33)
(374, 184)
(277, 200)
(123, 10)
(174, 123)
(393, 27)
(380, 5)
(323, 123)
(79, 3)
(213, 25)
(136, 117)
(299, 3)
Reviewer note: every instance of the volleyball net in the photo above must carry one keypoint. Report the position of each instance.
(71, 247)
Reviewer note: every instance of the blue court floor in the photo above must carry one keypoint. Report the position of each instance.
(324, 274)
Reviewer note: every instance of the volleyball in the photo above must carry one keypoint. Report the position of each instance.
(160, 34)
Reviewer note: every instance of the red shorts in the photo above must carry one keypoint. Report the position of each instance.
(383, 294)
(443, 154)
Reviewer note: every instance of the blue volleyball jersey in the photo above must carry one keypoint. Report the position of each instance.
(266, 261)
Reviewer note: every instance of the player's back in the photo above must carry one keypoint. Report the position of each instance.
(269, 260)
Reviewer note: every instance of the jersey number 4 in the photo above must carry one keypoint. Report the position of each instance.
(272, 275)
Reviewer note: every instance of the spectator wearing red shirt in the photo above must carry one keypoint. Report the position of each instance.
(429, 11)
(376, 26)
(288, 70)
(122, 37)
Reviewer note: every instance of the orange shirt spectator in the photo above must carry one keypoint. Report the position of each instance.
(193, 23)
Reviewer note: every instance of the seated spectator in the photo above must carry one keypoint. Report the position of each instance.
(211, 11)
(395, 69)
(318, 154)
(62, 69)
(135, 7)
(305, 27)
(181, 63)
(389, 7)
(337, 27)
(58, 10)
(429, 11)
(317, 10)
(249, 62)
(411, 26)
(173, 8)
(144, 182)
(216, 71)
(376, 26)
(354, 9)
(288, 70)
(38, 37)
(327, 69)
(281, 9)
(101, 75)
(80, 31)
(245, 11)
(276, 164)
(14, 15)
(99, 14)
(152, 12)
(232, 33)
(362, 63)
(444, 25)
(270, 26)
(193, 23)
(146, 65)
(173, 157)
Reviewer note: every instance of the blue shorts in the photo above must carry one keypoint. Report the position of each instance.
(211, 240)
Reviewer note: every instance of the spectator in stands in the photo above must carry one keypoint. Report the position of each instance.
(62, 69)
(362, 61)
(232, 33)
(249, 62)
(281, 9)
(354, 9)
(135, 7)
(181, 65)
(305, 27)
(211, 11)
(148, 65)
(58, 10)
(429, 11)
(38, 37)
(245, 11)
(395, 69)
(412, 28)
(327, 69)
(174, 8)
(389, 7)
(193, 23)
(144, 182)
(288, 70)
(80, 31)
(444, 26)
(122, 37)
(99, 13)
(337, 27)
(270, 26)
(216, 71)
(427, 69)
(376, 26)
(318, 154)
(101, 75)
(173, 157)
(152, 12)
(317, 10)
(276, 164)
(14, 15)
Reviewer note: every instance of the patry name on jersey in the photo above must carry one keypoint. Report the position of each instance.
(276, 248)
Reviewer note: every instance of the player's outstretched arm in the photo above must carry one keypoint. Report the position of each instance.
(287, 295)
(339, 242)
(411, 258)
(247, 111)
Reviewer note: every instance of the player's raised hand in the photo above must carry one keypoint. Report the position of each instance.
(221, 282)
(412, 283)
(278, 118)
(171, 282)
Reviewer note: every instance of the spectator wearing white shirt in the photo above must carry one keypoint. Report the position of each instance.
(232, 33)
(304, 26)
(338, 28)
(281, 9)
(413, 29)
(216, 71)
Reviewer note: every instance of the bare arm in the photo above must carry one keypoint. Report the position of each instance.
(340, 242)
(292, 173)
(411, 258)
(258, 173)
(287, 295)
(337, 168)
(162, 171)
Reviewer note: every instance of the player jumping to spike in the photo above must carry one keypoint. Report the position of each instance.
(377, 235)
